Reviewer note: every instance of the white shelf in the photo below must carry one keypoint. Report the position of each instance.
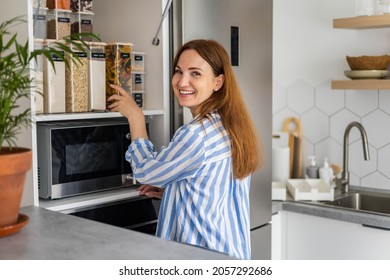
(87, 115)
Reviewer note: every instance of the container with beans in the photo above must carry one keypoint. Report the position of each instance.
(58, 24)
(82, 23)
(76, 81)
(40, 23)
(81, 5)
(118, 67)
(97, 76)
(53, 83)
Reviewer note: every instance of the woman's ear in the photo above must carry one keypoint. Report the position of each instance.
(219, 82)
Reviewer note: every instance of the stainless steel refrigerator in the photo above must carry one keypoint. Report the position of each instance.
(245, 29)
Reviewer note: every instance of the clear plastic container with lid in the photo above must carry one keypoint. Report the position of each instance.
(58, 24)
(138, 83)
(82, 23)
(40, 3)
(97, 76)
(118, 66)
(40, 23)
(53, 84)
(138, 63)
(139, 98)
(81, 5)
(58, 4)
(38, 78)
(76, 82)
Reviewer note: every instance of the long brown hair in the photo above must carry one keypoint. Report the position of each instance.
(246, 147)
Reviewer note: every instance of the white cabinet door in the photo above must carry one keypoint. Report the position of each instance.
(310, 237)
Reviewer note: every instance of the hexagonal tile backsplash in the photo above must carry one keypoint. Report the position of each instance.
(325, 113)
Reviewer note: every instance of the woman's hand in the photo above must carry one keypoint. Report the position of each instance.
(126, 105)
(151, 191)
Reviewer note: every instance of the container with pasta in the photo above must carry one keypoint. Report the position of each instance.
(53, 83)
(76, 81)
(81, 5)
(97, 76)
(58, 24)
(118, 67)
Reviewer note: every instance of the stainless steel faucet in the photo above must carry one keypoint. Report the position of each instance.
(345, 174)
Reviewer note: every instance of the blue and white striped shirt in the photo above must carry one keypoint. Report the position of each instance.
(202, 203)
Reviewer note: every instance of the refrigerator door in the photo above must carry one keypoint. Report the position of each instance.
(245, 29)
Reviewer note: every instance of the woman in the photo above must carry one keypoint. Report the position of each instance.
(203, 176)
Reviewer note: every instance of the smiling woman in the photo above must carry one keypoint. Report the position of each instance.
(204, 173)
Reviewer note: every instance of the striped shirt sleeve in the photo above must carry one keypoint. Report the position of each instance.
(171, 163)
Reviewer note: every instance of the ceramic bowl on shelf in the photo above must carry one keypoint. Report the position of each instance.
(367, 74)
(366, 62)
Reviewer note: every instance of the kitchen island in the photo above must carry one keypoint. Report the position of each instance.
(50, 235)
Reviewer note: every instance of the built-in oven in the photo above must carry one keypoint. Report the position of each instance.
(83, 156)
(138, 214)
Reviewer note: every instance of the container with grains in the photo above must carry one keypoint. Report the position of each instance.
(58, 4)
(81, 5)
(58, 24)
(76, 82)
(138, 63)
(97, 76)
(118, 67)
(138, 83)
(53, 84)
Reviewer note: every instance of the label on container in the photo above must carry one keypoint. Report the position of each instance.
(125, 55)
(39, 17)
(138, 57)
(86, 21)
(98, 55)
(62, 19)
(56, 57)
(81, 54)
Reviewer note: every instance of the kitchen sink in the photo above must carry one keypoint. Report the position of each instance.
(362, 201)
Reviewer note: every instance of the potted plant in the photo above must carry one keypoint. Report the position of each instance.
(17, 83)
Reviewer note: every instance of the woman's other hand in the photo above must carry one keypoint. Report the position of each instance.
(151, 191)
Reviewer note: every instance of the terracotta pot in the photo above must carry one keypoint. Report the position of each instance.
(14, 165)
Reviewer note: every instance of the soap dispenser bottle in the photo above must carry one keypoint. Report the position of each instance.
(326, 172)
(312, 169)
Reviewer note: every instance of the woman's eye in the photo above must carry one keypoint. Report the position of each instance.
(195, 73)
(178, 72)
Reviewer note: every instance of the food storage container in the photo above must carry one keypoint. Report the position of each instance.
(53, 84)
(38, 78)
(97, 76)
(40, 3)
(58, 4)
(138, 83)
(76, 82)
(118, 66)
(82, 22)
(40, 23)
(81, 5)
(139, 98)
(138, 63)
(58, 24)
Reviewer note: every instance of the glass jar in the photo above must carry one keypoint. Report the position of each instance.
(76, 82)
(118, 67)
(53, 84)
(97, 76)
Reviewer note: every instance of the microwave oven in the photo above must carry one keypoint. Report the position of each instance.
(83, 156)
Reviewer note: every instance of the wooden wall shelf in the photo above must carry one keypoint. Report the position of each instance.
(362, 22)
(361, 84)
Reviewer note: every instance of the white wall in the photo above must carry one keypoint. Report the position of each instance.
(308, 54)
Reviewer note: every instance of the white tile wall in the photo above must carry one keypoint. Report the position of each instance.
(308, 54)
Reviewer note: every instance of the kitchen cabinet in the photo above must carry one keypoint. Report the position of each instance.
(308, 237)
(123, 21)
(362, 22)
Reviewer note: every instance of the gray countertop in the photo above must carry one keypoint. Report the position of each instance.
(53, 235)
(328, 211)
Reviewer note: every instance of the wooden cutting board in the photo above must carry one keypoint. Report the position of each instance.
(293, 126)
